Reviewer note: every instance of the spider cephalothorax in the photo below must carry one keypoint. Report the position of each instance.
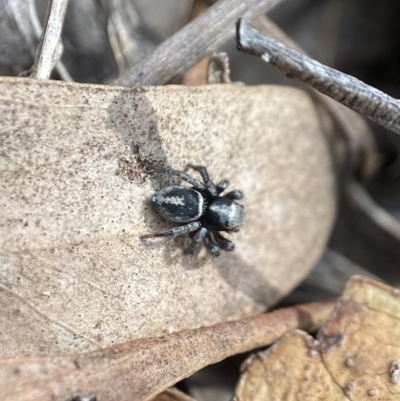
(200, 209)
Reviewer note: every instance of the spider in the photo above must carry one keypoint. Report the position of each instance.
(200, 208)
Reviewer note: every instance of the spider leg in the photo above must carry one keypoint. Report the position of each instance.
(210, 187)
(186, 177)
(234, 195)
(222, 186)
(175, 231)
(223, 242)
(211, 245)
(198, 237)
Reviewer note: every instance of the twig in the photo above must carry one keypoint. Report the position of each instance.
(350, 91)
(27, 22)
(194, 41)
(362, 151)
(48, 50)
(357, 194)
(140, 369)
(37, 27)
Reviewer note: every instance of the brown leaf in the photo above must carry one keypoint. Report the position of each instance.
(76, 277)
(356, 357)
(289, 370)
(359, 343)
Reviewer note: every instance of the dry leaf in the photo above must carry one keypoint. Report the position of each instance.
(140, 369)
(356, 357)
(289, 370)
(359, 343)
(74, 274)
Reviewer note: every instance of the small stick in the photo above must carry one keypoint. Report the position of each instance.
(48, 50)
(358, 195)
(194, 41)
(353, 93)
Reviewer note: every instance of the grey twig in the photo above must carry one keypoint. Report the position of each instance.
(49, 50)
(361, 147)
(197, 39)
(29, 26)
(362, 153)
(351, 92)
(357, 195)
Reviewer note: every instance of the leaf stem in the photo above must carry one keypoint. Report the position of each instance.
(50, 47)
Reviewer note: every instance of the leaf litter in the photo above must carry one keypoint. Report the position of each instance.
(355, 355)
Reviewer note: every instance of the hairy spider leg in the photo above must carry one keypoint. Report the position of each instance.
(175, 231)
(198, 237)
(223, 242)
(186, 177)
(211, 245)
(210, 187)
(234, 195)
(222, 186)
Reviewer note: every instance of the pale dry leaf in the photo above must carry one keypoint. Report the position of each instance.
(74, 274)
(356, 357)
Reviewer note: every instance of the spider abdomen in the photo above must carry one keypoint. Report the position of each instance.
(179, 204)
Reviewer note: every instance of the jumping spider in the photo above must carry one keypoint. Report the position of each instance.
(201, 208)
